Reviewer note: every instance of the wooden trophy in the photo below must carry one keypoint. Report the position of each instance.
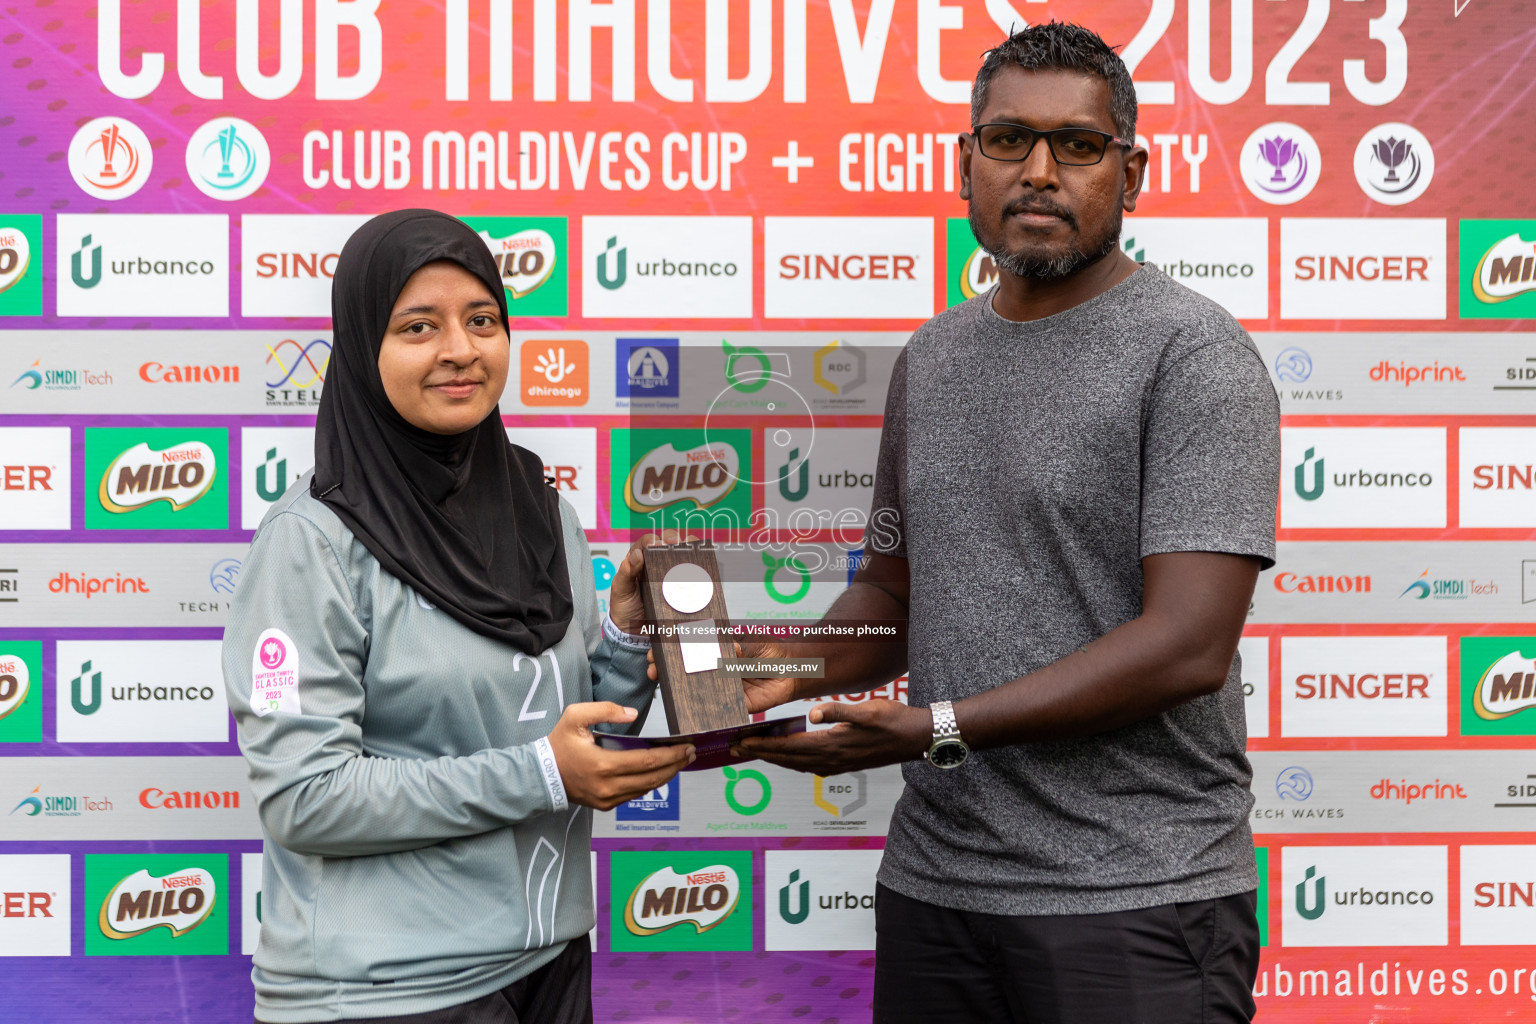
(685, 605)
(689, 630)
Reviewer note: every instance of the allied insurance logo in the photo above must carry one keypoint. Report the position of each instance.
(21, 264)
(677, 902)
(681, 476)
(530, 255)
(1498, 269)
(156, 478)
(1498, 686)
(156, 904)
(110, 158)
(228, 158)
(646, 368)
(1364, 895)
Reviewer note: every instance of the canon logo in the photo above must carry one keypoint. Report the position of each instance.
(1365, 685)
(157, 373)
(26, 904)
(857, 267)
(26, 478)
(159, 800)
(297, 264)
(1362, 268)
(1502, 478)
(1290, 583)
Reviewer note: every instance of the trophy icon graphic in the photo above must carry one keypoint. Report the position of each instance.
(109, 143)
(1392, 153)
(226, 149)
(1278, 152)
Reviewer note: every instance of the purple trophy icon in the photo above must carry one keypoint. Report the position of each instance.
(1280, 153)
(1391, 152)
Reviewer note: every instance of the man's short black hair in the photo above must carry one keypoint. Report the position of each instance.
(1057, 46)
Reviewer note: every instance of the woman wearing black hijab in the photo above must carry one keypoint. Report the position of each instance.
(411, 659)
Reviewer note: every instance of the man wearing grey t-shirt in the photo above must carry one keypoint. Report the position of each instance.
(1076, 493)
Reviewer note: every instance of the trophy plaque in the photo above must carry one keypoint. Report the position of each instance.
(690, 633)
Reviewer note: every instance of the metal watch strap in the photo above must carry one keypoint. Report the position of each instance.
(945, 727)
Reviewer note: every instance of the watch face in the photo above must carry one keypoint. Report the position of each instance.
(948, 754)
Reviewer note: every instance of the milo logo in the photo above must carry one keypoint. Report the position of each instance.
(665, 476)
(177, 902)
(525, 259)
(15, 256)
(978, 273)
(178, 475)
(15, 680)
(1508, 686)
(665, 899)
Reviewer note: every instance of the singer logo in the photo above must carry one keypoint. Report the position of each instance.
(140, 475)
(665, 476)
(666, 899)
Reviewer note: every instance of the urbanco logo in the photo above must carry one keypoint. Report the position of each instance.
(110, 158)
(678, 901)
(34, 478)
(156, 904)
(143, 264)
(1280, 163)
(272, 459)
(673, 267)
(1498, 686)
(287, 261)
(1498, 269)
(35, 909)
(531, 257)
(1363, 477)
(1226, 259)
(140, 691)
(555, 373)
(1364, 268)
(820, 899)
(848, 267)
(1364, 895)
(21, 264)
(228, 158)
(1363, 686)
(156, 478)
(1394, 163)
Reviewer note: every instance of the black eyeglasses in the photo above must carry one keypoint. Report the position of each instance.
(1074, 147)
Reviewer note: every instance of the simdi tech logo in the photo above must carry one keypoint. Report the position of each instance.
(148, 904)
(679, 901)
(680, 477)
(531, 255)
(21, 264)
(1498, 686)
(21, 680)
(1498, 269)
(156, 478)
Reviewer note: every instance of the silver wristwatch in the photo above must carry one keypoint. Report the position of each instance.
(947, 750)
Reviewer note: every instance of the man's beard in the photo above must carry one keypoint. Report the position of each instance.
(1046, 263)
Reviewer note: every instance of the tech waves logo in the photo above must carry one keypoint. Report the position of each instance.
(1294, 783)
(664, 476)
(666, 899)
(1506, 688)
(178, 902)
(178, 475)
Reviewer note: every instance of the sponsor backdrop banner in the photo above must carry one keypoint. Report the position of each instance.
(716, 210)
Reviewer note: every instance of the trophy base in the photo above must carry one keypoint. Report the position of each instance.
(713, 747)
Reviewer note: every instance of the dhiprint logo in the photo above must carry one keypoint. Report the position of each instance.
(21, 259)
(1280, 163)
(287, 261)
(273, 459)
(1226, 259)
(1363, 477)
(1498, 477)
(677, 902)
(1294, 783)
(555, 373)
(530, 257)
(35, 909)
(156, 478)
(848, 267)
(296, 372)
(1363, 268)
(1363, 686)
(647, 368)
(1394, 163)
(228, 158)
(1498, 269)
(140, 691)
(667, 267)
(34, 478)
(1364, 896)
(143, 264)
(149, 904)
(110, 158)
(820, 899)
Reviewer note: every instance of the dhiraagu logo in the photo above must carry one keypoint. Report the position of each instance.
(21, 706)
(156, 478)
(678, 901)
(156, 904)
